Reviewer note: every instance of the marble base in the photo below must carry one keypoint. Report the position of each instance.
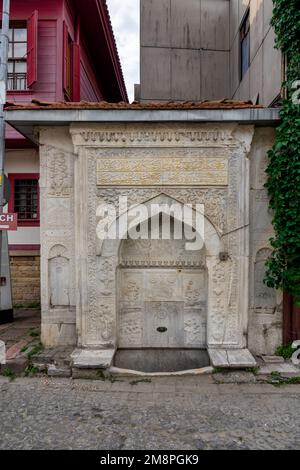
(231, 359)
(93, 359)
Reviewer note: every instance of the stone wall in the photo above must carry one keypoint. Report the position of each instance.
(83, 167)
(265, 307)
(25, 279)
(57, 239)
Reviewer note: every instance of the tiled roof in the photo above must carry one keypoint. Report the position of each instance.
(103, 105)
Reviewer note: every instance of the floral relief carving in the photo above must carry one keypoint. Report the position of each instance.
(59, 173)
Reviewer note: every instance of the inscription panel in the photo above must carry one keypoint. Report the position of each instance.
(157, 171)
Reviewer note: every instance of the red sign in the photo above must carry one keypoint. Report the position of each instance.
(8, 221)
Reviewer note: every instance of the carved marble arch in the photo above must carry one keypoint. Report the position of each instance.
(212, 241)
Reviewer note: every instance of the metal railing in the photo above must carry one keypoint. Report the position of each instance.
(17, 81)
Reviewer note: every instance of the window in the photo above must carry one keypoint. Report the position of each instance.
(69, 78)
(245, 45)
(71, 67)
(17, 59)
(25, 198)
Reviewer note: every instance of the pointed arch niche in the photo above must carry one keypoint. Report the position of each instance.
(158, 294)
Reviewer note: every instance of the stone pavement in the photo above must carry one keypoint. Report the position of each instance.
(20, 331)
(164, 413)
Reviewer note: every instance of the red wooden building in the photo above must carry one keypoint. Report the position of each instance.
(60, 50)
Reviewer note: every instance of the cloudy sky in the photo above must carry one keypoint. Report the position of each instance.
(125, 20)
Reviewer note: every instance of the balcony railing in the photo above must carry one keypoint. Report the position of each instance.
(17, 81)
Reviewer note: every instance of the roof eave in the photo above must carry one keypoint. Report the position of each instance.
(25, 121)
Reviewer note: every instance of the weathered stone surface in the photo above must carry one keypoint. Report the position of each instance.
(218, 357)
(231, 358)
(176, 413)
(161, 360)
(273, 359)
(234, 378)
(2, 353)
(286, 369)
(17, 365)
(241, 358)
(54, 371)
(89, 359)
(102, 295)
(87, 374)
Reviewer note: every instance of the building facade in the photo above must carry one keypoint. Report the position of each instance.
(62, 50)
(154, 304)
(209, 49)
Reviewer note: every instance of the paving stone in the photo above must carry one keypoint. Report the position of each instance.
(234, 378)
(17, 365)
(231, 358)
(54, 371)
(286, 369)
(240, 358)
(218, 357)
(53, 414)
(273, 359)
(15, 350)
(92, 374)
(40, 367)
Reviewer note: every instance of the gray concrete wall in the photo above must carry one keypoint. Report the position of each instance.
(264, 76)
(184, 49)
(190, 50)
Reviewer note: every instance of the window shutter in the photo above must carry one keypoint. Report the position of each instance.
(76, 72)
(32, 44)
(65, 57)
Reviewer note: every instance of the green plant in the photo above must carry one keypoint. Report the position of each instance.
(283, 184)
(101, 375)
(286, 351)
(277, 380)
(252, 370)
(218, 370)
(9, 373)
(138, 381)
(31, 306)
(31, 370)
(34, 334)
(36, 349)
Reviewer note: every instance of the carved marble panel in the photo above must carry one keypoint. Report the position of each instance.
(194, 288)
(163, 324)
(59, 171)
(59, 280)
(179, 295)
(132, 285)
(195, 326)
(214, 200)
(130, 331)
(264, 297)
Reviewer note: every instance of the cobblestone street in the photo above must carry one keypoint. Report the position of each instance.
(166, 413)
